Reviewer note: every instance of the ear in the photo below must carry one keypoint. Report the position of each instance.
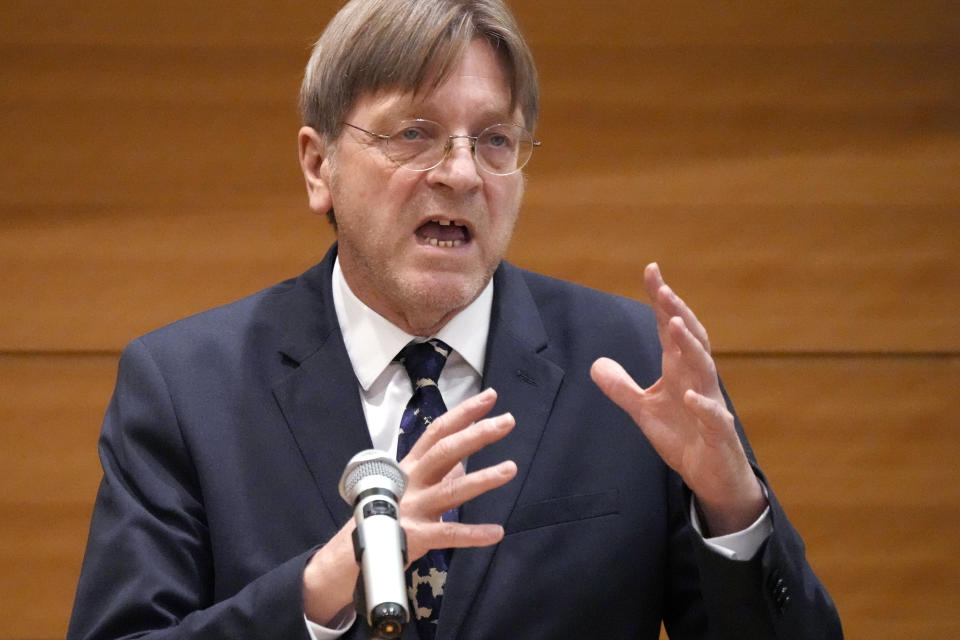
(316, 170)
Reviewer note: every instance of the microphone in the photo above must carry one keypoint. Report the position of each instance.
(373, 483)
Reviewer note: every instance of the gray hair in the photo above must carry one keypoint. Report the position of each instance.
(375, 45)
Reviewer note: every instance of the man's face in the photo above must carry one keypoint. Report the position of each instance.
(388, 215)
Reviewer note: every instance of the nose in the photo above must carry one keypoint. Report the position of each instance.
(458, 169)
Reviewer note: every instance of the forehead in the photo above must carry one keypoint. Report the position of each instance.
(476, 88)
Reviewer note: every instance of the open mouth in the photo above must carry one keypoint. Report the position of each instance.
(443, 233)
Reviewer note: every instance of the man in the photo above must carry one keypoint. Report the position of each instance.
(218, 514)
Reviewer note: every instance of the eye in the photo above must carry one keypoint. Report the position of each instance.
(411, 134)
(412, 141)
(415, 132)
(498, 140)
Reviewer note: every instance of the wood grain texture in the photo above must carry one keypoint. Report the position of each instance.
(761, 278)
(50, 410)
(179, 22)
(793, 167)
(779, 162)
(862, 451)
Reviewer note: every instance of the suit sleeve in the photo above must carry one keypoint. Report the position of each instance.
(148, 567)
(774, 595)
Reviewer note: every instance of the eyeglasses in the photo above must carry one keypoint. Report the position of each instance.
(421, 145)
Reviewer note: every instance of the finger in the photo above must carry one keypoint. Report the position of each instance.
(712, 414)
(458, 471)
(456, 419)
(454, 491)
(675, 305)
(667, 303)
(617, 384)
(438, 461)
(653, 282)
(694, 355)
(449, 535)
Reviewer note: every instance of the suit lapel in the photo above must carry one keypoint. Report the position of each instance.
(526, 384)
(323, 411)
(319, 398)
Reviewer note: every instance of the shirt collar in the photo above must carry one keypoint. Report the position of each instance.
(372, 341)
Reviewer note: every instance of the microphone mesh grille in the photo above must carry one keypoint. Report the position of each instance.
(370, 468)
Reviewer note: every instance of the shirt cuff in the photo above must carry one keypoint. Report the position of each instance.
(740, 545)
(338, 626)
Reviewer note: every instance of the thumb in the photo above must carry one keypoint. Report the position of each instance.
(617, 384)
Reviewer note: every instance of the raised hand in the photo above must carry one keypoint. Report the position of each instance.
(684, 416)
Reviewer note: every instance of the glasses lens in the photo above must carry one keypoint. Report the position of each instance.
(417, 144)
(504, 148)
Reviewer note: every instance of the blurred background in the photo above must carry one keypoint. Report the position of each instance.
(793, 166)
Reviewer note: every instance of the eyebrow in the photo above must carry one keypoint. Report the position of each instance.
(479, 121)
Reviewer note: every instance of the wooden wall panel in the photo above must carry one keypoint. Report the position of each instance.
(762, 278)
(788, 178)
(98, 278)
(249, 22)
(791, 165)
(861, 451)
(50, 415)
(776, 172)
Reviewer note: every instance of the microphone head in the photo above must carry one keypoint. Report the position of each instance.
(371, 469)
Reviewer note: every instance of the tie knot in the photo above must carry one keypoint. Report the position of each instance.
(424, 361)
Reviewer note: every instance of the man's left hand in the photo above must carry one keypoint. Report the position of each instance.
(684, 416)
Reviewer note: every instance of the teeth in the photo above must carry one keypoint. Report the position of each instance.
(443, 223)
(446, 244)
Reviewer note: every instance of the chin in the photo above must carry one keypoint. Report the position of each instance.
(441, 294)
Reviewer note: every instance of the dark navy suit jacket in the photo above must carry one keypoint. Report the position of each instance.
(228, 431)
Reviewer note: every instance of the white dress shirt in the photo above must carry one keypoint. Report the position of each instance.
(373, 342)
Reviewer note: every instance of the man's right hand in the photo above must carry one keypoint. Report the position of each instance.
(436, 483)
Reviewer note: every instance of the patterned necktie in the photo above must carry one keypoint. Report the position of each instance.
(426, 576)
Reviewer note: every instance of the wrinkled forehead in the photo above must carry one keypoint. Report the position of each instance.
(386, 110)
(476, 90)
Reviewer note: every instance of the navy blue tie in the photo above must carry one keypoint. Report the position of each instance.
(426, 576)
